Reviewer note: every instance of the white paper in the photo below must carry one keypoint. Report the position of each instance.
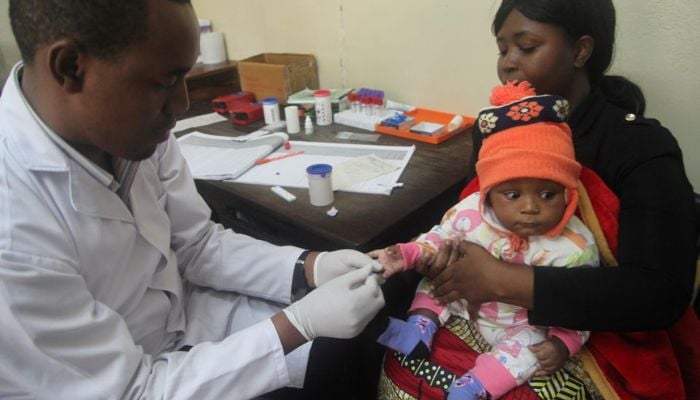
(194, 122)
(358, 170)
(291, 171)
(220, 157)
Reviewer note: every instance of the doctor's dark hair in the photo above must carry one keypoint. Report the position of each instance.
(577, 18)
(102, 28)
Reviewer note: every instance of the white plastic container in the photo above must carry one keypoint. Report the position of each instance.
(271, 110)
(320, 184)
(324, 110)
(212, 47)
(291, 116)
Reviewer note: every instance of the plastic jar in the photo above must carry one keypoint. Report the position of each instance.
(271, 110)
(291, 116)
(320, 184)
(324, 111)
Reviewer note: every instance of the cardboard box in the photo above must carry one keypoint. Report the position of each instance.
(278, 74)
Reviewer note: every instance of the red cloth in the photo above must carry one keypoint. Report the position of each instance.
(685, 338)
(450, 352)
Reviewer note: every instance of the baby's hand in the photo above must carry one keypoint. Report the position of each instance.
(390, 258)
(552, 354)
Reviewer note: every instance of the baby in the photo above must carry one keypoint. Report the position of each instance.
(524, 214)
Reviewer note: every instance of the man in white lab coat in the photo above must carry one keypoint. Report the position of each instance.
(109, 264)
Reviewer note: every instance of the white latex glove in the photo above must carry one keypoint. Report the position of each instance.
(339, 309)
(331, 264)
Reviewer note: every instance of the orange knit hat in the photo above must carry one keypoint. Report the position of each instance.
(525, 136)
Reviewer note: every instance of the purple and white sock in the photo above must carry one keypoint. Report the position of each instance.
(412, 337)
(467, 387)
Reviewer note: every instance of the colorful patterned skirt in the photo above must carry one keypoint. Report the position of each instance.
(456, 347)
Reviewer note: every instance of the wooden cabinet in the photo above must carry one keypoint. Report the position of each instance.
(206, 81)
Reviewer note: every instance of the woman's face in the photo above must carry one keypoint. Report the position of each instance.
(536, 52)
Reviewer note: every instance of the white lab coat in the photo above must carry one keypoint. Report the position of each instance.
(95, 298)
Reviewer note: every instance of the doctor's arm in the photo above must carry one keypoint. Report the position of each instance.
(250, 266)
(340, 308)
(57, 333)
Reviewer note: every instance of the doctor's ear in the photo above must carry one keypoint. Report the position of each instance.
(67, 65)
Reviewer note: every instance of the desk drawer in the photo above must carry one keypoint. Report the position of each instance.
(260, 225)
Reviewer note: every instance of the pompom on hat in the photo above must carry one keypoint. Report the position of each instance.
(526, 136)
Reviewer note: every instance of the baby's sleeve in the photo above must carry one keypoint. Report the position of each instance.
(573, 340)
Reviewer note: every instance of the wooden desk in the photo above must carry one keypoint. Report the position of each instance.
(432, 181)
(206, 81)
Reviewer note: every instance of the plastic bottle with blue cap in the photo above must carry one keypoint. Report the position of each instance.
(320, 184)
(271, 110)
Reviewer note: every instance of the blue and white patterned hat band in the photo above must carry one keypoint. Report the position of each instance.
(526, 111)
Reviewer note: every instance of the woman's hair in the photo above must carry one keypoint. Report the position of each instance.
(101, 27)
(577, 18)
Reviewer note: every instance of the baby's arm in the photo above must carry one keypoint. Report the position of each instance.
(563, 343)
(551, 355)
(404, 256)
(391, 259)
(400, 257)
(553, 352)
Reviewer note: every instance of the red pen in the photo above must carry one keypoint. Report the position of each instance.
(286, 155)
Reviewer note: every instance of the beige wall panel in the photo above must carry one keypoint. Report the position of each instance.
(9, 53)
(435, 54)
(657, 49)
(279, 26)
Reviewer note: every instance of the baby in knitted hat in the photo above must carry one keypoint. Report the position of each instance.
(524, 214)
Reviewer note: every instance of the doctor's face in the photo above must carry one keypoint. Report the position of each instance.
(129, 102)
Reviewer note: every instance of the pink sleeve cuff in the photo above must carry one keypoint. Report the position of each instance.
(497, 380)
(425, 302)
(410, 253)
(573, 340)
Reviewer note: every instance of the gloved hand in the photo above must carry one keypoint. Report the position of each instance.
(331, 264)
(341, 308)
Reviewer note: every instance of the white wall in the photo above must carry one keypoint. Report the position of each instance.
(9, 53)
(440, 53)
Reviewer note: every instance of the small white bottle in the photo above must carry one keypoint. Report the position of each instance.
(308, 125)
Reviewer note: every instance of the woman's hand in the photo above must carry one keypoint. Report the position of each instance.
(434, 266)
(478, 277)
